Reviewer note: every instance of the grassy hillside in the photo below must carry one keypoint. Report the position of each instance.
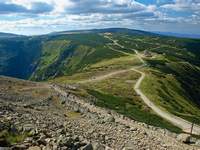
(69, 54)
(173, 72)
(117, 93)
(177, 91)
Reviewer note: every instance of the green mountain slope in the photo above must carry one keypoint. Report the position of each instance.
(18, 56)
(65, 55)
(172, 70)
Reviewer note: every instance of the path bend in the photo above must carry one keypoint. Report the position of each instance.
(175, 120)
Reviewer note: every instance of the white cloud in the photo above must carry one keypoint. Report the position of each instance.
(183, 5)
(76, 14)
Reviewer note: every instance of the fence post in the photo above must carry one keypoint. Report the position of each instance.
(192, 128)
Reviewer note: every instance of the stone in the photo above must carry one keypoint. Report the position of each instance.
(97, 146)
(108, 148)
(65, 141)
(109, 118)
(107, 138)
(9, 118)
(19, 147)
(76, 138)
(87, 147)
(192, 140)
(33, 132)
(197, 142)
(133, 129)
(129, 146)
(28, 139)
(34, 148)
(28, 127)
(60, 131)
(55, 146)
(44, 125)
(20, 128)
(185, 138)
(41, 140)
(48, 140)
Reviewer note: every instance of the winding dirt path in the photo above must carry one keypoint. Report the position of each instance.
(105, 76)
(177, 121)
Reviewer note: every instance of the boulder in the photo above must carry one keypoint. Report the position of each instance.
(19, 147)
(129, 146)
(97, 146)
(185, 138)
(197, 143)
(87, 147)
(109, 118)
(41, 140)
(34, 148)
(65, 141)
(28, 127)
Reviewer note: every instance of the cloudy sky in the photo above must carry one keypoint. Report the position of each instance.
(43, 16)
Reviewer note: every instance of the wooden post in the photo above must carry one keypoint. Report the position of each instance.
(192, 128)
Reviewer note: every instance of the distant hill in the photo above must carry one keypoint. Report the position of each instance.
(8, 35)
(111, 30)
(195, 36)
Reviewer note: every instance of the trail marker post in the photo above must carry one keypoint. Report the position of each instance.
(192, 128)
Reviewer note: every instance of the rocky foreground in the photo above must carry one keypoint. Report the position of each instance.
(41, 117)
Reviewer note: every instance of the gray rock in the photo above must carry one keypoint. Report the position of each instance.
(20, 128)
(29, 139)
(108, 148)
(33, 132)
(34, 148)
(185, 138)
(133, 129)
(41, 140)
(97, 146)
(109, 118)
(129, 146)
(87, 147)
(65, 141)
(20, 147)
(28, 127)
(197, 143)
(60, 131)
(192, 140)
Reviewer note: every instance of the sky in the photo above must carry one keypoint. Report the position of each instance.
(33, 17)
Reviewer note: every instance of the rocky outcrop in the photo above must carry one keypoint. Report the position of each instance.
(107, 116)
(63, 120)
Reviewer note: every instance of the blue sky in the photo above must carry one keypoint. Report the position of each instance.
(32, 17)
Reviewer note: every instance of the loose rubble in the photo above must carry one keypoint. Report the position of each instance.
(69, 123)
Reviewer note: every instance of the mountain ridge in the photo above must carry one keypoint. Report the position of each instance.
(179, 35)
(113, 30)
(102, 30)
